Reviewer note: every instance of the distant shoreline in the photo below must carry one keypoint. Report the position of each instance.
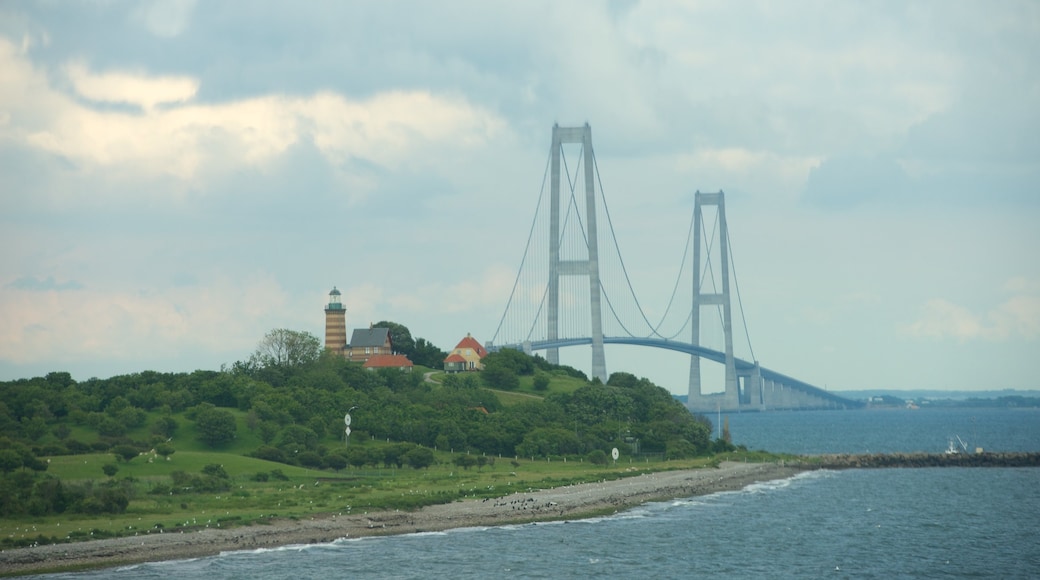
(882, 460)
(562, 503)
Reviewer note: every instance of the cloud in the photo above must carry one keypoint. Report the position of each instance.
(942, 319)
(136, 89)
(1017, 318)
(736, 168)
(191, 142)
(43, 325)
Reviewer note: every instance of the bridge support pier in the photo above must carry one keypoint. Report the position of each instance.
(588, 267)
(767, 394)
(755, 388)
(731, 396)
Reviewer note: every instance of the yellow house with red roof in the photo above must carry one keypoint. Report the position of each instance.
(465, 356)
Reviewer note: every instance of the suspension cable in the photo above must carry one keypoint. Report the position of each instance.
(617, 248)
(736, 284)
(678, 278)
(530, 236)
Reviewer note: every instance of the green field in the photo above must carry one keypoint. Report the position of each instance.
(302, 493)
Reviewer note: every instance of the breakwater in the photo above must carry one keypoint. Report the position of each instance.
(878, 460)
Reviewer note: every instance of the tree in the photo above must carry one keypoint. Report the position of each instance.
(109, 427)
(216, 470)
(61, 430)
(34, 427)
(464, 461)
(545, 441)
(597, 457)
(400, 337)
(215, 426)
(165, 426)
(680, 449)
(298, 436)
(110, 469)
(267, 430)
(335, 461)
(427, 355)
(500, 377)
(285, 349)
(125, 452)
(541, 381)
(358, 456)
(419, 457)
(9, 460)
(513, 359)
(394, 454)
(419, 350)
(165, 449)
(309, 459)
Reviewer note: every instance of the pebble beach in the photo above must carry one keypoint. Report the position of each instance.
(561, 503)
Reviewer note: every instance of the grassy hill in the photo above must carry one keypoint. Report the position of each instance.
(139, 453)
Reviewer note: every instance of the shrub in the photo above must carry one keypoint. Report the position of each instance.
(269, 453)
(597, 457)
(541, 381)
(277, 474)
(215, 426)
(125, 452)
(309, 459)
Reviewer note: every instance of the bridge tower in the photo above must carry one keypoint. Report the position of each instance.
(575, 267)
(731, 397)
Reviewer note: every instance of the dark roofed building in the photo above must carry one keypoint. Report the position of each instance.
(368, 342)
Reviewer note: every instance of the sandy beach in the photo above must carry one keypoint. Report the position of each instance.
(569, 502)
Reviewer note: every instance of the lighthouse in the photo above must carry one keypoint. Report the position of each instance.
(335, 323)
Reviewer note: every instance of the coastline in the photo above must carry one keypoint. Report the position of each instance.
(562, 503)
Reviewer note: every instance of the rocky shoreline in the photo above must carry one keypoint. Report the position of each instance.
(882, 460)
(567, 502)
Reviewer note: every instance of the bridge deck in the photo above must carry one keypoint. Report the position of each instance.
(743, 367)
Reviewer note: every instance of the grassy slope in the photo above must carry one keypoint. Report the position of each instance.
(558, 383)
(306, 491)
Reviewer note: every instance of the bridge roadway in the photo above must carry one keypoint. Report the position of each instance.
(743, 367)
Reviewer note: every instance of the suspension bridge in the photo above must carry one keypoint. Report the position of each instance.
(569, 294)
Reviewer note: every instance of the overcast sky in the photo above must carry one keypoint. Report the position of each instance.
(177, 178)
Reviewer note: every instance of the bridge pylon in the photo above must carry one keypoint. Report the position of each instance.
(574, 267)
(730, 399)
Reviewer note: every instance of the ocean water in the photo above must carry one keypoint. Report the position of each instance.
(886, 430)
(894, 523)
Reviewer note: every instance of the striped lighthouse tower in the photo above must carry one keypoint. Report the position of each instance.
(335, 323)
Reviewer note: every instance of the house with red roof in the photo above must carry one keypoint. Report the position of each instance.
(388, 361)
(466, 356)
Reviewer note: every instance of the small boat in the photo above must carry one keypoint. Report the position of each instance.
(952, 449)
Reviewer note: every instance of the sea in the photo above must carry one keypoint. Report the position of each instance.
(856, 523)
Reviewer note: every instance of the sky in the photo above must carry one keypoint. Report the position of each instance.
(178, 178)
